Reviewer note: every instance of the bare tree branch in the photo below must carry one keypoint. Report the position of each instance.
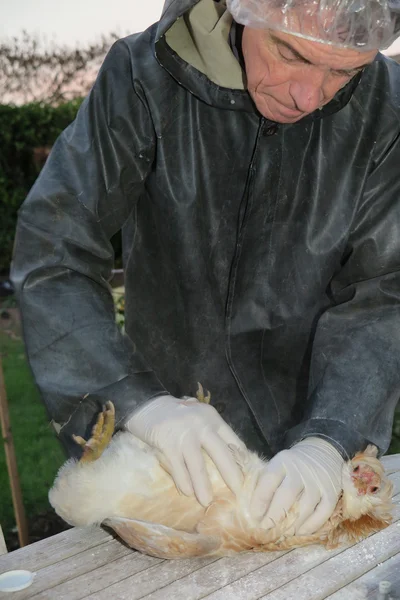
(33, 71)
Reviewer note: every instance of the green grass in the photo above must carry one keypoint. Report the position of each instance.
(39, 454)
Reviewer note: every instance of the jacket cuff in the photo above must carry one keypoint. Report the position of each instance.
(346, 440)
(126, 394)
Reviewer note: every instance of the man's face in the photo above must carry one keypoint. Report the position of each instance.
(289, 77)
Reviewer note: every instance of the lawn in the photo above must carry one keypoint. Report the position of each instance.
(39, 454)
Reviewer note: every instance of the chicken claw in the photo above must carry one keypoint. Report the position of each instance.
(102, 433)
(200, 394)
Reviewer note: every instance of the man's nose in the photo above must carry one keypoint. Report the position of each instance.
(307, 95)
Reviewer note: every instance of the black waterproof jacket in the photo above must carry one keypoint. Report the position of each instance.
(261, 260)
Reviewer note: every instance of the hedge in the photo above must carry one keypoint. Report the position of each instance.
(22, 130)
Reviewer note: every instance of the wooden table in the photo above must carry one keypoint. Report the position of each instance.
(89, 563)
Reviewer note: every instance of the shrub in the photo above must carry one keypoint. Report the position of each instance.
(27, 133)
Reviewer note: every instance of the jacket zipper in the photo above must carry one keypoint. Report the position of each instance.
(242, 219)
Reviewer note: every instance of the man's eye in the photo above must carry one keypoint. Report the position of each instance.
(344, 74)
(287, 54)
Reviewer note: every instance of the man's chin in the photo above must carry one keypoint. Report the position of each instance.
(278, 117)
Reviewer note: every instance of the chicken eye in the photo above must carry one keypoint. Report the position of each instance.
(356, 469)
(374, 489)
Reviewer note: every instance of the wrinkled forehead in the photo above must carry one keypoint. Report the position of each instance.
(362, 25)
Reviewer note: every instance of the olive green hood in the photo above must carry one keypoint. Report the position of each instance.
(198, 32)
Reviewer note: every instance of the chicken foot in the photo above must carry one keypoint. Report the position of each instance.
(102, 433)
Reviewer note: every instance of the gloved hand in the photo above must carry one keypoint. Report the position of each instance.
(310, 475)
(180, 428)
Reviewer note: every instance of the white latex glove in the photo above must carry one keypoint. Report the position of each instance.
(308, 475)
(180, 429)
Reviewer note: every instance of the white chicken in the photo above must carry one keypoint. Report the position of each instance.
(119, 482)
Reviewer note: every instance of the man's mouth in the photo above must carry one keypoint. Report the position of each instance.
(290, 112)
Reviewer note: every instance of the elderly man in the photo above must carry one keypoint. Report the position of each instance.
(251, 156)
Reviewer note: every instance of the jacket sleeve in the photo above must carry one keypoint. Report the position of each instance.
(63, 256)
(355, 365)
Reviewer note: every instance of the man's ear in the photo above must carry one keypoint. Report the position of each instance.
(161, 541)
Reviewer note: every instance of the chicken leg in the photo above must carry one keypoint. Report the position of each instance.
(102, 433)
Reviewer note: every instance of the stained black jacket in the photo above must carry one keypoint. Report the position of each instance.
(261, 260)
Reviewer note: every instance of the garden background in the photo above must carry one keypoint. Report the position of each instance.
(41, 88)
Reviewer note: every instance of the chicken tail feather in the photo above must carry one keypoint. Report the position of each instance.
(161, 541)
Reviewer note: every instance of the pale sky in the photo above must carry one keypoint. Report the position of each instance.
(73, 20)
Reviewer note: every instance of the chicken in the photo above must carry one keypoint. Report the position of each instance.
(120, 482)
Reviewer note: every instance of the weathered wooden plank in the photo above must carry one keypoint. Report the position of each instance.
(215, 576)
(334, 574)
(3, 547)
(72, 567)
(367, 586)
(146, 582)
(100, 578)
(51, 550)
(288, 572)
(395, 478)
(273, 575)
(391, 462)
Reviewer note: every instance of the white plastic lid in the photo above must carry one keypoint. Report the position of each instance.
(14, 581)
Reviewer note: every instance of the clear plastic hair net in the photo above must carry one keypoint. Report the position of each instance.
(359, 24)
